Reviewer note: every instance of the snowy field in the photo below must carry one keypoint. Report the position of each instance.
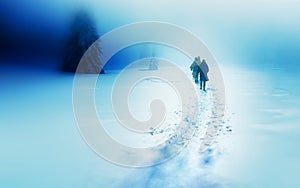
(255, 44)
(41, 145)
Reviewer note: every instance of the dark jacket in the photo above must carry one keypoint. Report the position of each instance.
(203, 71)
(195, 68)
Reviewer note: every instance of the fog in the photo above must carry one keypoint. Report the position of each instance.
(256, 46)
(237, 32)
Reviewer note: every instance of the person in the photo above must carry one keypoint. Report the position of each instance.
(203, 74)
(196, 69)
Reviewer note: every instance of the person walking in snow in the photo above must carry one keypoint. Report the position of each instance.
(195, 68)
(203, 74)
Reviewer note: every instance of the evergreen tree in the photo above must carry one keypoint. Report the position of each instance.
(83, 35)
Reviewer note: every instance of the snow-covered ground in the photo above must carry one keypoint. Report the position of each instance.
(256, 147)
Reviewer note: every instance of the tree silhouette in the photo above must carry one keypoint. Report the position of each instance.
(83, 35)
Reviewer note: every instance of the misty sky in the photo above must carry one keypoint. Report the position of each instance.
(235, 31)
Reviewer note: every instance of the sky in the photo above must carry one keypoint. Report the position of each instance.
(237, 32)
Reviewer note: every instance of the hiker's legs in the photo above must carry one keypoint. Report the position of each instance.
(201, 82)
(204, 84)
(196, 78)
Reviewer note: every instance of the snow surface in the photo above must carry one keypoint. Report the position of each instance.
(257, 145)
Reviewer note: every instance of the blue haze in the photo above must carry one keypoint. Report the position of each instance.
(256, 44)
